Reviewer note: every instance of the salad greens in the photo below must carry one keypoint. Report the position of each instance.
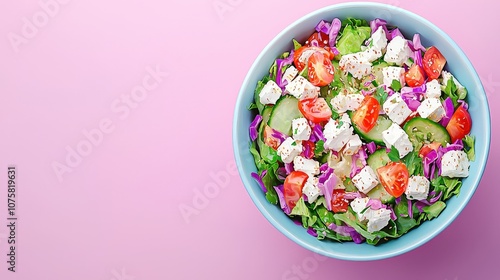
(360, 134)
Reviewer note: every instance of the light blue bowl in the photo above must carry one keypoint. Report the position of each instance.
(458, 64)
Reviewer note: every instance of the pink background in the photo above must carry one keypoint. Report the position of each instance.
(115, 214)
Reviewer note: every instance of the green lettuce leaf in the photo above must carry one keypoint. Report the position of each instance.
(469, 142)
(352, 39)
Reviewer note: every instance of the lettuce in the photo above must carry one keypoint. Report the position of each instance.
(352, 39)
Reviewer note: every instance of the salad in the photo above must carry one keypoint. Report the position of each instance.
(360, 134)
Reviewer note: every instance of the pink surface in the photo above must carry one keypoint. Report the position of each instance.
(152, 85)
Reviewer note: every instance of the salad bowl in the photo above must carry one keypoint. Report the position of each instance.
(457, 63)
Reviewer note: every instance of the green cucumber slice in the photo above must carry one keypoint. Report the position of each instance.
(422, 131)
(285, 110)
(375, 134)
(376, 160)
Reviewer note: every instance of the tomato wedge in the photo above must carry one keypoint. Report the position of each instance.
(269, 139)
(394, 178)
(319, 70)
(315, 109)
(366, 116)
(320, 38)
(415, 76)
(339, 203)
(301, 56)
(292, 188)
(460, 124)
(433, 62)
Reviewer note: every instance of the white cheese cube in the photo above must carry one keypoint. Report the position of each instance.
(357, 64)
(301, 129)
(432, 109)
(289, 149)
(378, 40)
(393, 73)
(455, 164)
(365, 180)
(290, 74)
(378, 219)
(358, 205)
(398, 51)
(418, 188)
(337, 133)
(353, 101)
(301, 88)
(397, 137)
(311, 189)
(433, 89)
(396, 108)
(339, 103)
(353, 145)
(308, 166)
(270, 93)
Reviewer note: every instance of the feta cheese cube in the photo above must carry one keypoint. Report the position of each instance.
(455, 164)
(357, 64)
(378, 219)
(378, 40)
(308, 166)
(365, 180)
(339, 103)
(398, 51)
(301, 88)
(289, 149)
(418, 188)
(358, 205)
(432, 109)
(393, 73)
(433, 89)
(354, 101)
(270, 93)
(396, 108)
(397, 137)
(337, 133)
(353, 145)
(290, 74)
(301, 129)
(311, 189)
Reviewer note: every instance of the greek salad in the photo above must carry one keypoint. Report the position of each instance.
(360, 133)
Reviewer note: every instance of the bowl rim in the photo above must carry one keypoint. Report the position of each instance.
(251, 191)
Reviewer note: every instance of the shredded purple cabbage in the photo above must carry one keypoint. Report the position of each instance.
(307, 152)
(376, 23)
(362, 156)
(334, 50)
(297, 222)
(396, 32)
(435, 198)
(342, 230)
(398, 200)
(323, 26)
(372, 147)
(449, 109)
(352, 195)
(456, 146)
(418, 58)
(416, 44)
(393, 215)
(355, 169)
(289, 167)
(281, 174)
(464, 104)
(324, 167)
(375, 204)
(317, 133)
(253, 127)
(281, 196)
(357, 237)
(412, 96)
(280, 63)
(312, 232)
(431, 157)
(327, 189)
(258, 178)
(334, 31)
(410, 209)
(278, 135)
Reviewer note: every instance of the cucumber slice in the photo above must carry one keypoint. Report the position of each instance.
(375, 134)
(376, 160)
(266, 113)
(422, 130)
(377, 72)
(285, 110)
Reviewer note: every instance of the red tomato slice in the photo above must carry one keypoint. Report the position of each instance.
(415, 76)
(427, 148)
(292, 188)
(306, 144)
(269, 139)
(339, 203)
(301, 56)
(433, 62)
(394, 178)
(320, 37)
(460, 124)
(366, 116)
(315, 109)
(319, 69)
